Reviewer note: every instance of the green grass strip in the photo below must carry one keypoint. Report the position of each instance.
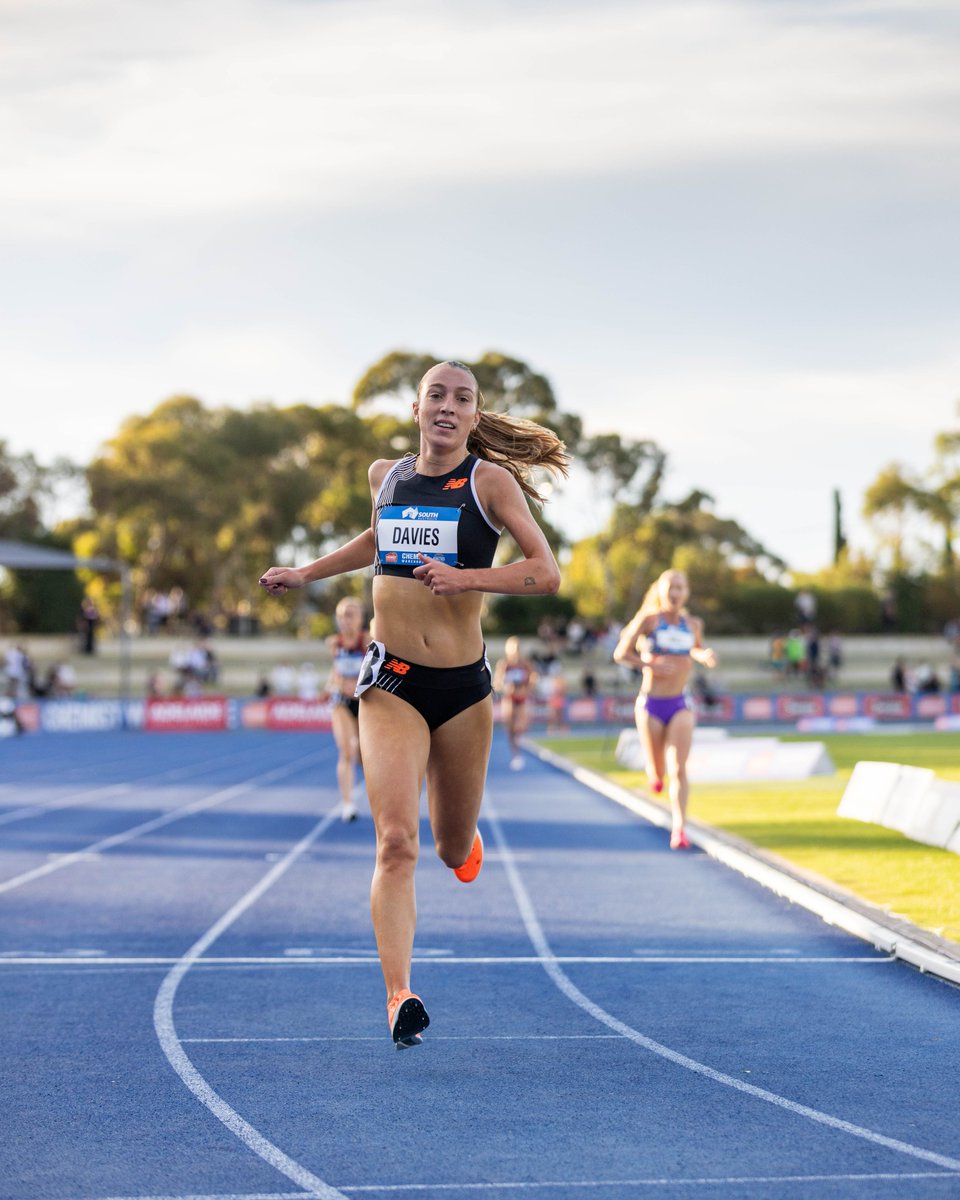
(798, 821)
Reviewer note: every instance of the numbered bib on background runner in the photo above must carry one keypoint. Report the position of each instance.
(404, 533)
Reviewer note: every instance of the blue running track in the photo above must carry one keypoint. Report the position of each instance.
(191, 1004)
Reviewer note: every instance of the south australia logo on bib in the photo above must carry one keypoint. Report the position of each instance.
(404, 533)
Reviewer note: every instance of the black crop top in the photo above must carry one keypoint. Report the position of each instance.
(436, 515)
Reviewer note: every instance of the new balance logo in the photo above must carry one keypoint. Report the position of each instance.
(453, 485)
(396, 666)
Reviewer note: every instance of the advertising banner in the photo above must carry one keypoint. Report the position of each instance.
(182, 714)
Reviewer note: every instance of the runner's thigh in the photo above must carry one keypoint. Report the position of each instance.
(394, 745)
(457, 771)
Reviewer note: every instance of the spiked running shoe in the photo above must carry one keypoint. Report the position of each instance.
(408, 1019)
(468, 871)
(679, 840)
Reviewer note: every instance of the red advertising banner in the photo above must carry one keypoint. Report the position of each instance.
(792, 708)
(288, 713)
(191, 714)
(931, 706)
(757, 708)
(584, 710)
(893, 706)
(843, 706)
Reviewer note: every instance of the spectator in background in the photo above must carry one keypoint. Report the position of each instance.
(87, 623)
(19, 672)
(576, 635)
(926, 681)
(778, 653)
(308, 683)
(62, 681)
(796, 650)
(834, 654)
(283, 680)
(805, 606)
(898, 676)
(815, 673)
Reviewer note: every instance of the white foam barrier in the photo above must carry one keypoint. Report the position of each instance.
(909, 799)
(629, 751)
(870, 786)
(732, 760)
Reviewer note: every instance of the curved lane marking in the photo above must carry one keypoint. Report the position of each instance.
(171, 1045)
(573, 993)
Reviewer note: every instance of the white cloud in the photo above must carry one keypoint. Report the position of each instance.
(120, 111)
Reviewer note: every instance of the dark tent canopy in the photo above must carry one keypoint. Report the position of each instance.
(25, 556)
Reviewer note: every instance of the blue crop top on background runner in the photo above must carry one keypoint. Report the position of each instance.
(436, 515)
(671, 639)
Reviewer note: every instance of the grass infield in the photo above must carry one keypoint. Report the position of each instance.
(798, 821)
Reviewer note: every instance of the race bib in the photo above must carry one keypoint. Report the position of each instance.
(672, 639)
(404, 533)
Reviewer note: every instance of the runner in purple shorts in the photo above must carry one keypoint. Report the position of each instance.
(665, 641)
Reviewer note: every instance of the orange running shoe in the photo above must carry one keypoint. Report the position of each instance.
(468, 871)
(408, 1019)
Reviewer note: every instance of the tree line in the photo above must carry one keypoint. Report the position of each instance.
(199, 500)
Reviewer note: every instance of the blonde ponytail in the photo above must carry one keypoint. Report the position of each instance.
(519, 445)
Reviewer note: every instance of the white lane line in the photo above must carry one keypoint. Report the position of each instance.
(701, 1181)
(177, 814)
(53, 959)
(442, 1037)
(707, 1181)
(170, 1043)
(572, 992)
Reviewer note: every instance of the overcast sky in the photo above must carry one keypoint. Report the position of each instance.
(728, 226)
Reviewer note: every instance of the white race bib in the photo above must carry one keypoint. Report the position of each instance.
(404, 533)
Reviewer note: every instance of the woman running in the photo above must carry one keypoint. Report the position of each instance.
(425, 706)
(665, 641)
(514, 680)
(348, 646)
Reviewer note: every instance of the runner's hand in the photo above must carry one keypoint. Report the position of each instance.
(278, 580)
(441, 579)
